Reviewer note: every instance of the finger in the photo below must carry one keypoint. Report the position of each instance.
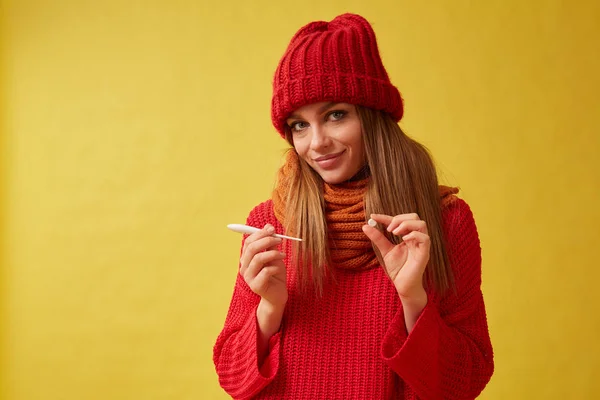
(383, 219)
(255, 247)
(267, 230)
(399, 219)
(252, 267)
(277, 245)
(379, 239)
(260, 283)
(416, 237)
(259, 261)
(406, 227)
(388, 220)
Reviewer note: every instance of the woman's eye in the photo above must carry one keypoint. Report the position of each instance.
(298, 126)
(337, 115)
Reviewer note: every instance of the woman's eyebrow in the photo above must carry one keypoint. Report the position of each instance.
(321, 110)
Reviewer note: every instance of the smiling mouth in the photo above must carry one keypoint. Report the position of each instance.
(328, 157)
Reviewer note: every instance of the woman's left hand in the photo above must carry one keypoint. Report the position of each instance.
(404, 262)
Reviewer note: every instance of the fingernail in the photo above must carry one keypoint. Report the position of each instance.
(270, 229)
(282, 253)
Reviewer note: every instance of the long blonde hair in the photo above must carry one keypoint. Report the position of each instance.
(402, 180)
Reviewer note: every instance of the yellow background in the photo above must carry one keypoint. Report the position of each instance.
(133, 132)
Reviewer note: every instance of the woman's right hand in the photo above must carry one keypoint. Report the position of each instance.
(262, 267)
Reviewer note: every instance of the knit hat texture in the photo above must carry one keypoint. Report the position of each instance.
(335, 61)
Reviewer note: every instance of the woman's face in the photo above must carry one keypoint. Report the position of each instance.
(328, 137)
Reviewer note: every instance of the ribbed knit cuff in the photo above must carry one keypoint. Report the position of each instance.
(246, 376)
(268, 369)
(362, 90)
(414, 356)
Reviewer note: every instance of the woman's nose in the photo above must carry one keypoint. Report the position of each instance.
(319, 139)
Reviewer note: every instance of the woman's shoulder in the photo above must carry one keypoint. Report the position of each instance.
(450, 202)
(457, 216)
(448, 195)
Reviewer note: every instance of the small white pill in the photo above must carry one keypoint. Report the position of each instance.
(372, 222)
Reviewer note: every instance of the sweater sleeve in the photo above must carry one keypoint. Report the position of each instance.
(448, 354)
(235, 353)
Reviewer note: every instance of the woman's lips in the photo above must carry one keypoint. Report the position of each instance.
(329, 161)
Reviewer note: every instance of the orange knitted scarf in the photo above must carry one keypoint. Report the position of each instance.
(349, 247)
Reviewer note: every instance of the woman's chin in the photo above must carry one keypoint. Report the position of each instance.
(335, 177)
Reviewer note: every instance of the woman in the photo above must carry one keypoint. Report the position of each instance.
(354, 311)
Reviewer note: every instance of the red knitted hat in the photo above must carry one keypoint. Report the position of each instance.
(333, 61)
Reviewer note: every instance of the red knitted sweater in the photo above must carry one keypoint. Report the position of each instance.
(352, 342)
